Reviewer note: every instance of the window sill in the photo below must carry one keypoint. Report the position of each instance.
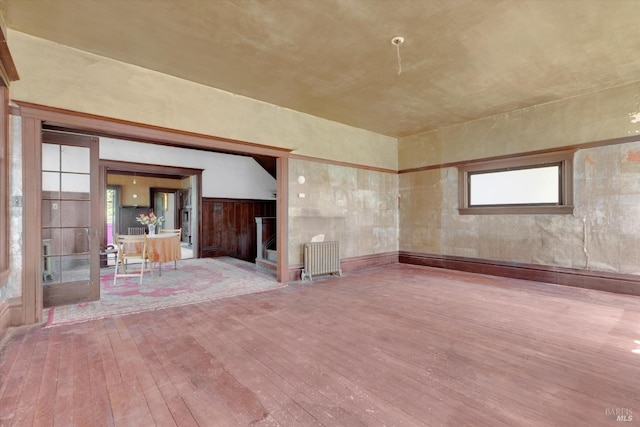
(518, 210)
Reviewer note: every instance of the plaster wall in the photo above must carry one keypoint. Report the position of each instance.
(59, 76)
(601, 235)
(602, 115)
(354, 206)
(142, 188)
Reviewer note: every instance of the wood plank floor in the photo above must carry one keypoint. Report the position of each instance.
(398, 345)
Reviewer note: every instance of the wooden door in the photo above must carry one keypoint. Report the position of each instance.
(70, 219)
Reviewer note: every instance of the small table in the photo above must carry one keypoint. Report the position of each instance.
(163, 248)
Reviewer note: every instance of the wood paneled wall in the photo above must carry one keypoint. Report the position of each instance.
(229, 226)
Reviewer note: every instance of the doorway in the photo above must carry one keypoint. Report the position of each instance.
(36, 119)
(164, 205)
(169, 192)
(112, 212)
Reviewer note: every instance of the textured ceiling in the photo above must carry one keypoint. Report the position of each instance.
(462, 59)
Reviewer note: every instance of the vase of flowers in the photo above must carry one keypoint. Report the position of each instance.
(150, 220)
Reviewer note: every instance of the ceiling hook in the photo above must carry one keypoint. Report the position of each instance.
(397, 41)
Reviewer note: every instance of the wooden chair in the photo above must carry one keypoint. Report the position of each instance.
(177, 231)
(136, 231)
(130, 248)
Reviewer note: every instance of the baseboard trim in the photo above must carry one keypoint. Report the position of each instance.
(10, 314)
(367, 261)
(351, 264)
(588, 279)
(266, 264)
(5, 320)
(293, 273)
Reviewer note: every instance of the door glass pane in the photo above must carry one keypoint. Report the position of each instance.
(75, 241)
(75, 159)
(76, 186)
(50, 185)
(51, 241)
(51, 270)
(75, 268)
(50, 157)
(75, 213)
(50, 213)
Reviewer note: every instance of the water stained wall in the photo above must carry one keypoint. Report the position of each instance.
(602, 234)
(357, 207)
(608, 200)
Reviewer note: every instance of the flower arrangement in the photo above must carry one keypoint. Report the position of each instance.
(150, 219)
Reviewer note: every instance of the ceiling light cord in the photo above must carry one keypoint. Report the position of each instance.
(397, 41)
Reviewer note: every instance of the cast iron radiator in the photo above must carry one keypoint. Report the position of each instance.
(321, 258)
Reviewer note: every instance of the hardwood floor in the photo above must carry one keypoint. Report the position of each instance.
(399, 345)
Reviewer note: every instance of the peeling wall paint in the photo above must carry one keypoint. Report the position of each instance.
(602, 234)
(633, 156)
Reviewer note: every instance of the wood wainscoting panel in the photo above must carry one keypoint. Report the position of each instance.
(598, 280)
(229, 226)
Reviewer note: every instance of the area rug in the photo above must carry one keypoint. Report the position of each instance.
(195, 280)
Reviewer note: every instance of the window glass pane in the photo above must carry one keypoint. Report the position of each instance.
(75, 159)
(522, 186)
(50, 157)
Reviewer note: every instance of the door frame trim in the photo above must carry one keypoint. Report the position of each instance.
(35, 116)
(32, 301)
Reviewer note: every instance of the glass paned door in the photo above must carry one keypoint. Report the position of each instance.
(70, 243)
